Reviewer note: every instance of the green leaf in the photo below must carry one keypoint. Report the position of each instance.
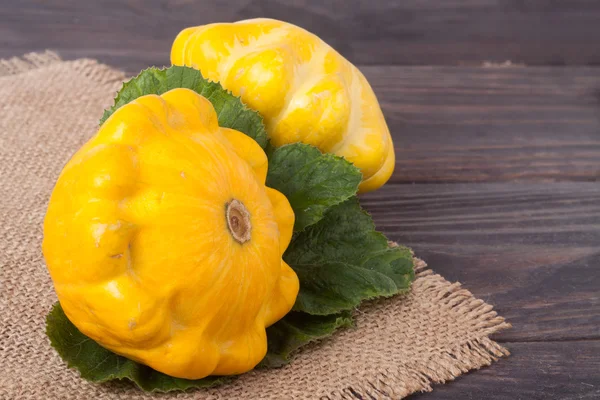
(342, 261)
(97, 364)
(312, 182)
(231, 111)
(296, 330)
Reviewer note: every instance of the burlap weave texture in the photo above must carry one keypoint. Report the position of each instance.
(49, 108)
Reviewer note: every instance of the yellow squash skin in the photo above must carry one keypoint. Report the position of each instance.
(305, 90)
(164, 244)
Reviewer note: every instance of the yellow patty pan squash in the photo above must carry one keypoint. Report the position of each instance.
(164, 244)
(305, 90)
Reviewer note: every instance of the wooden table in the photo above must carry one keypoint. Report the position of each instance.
(496, 183)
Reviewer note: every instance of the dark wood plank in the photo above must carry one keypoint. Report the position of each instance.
(449, 124)
(134, 34)
(532, 251)
(464, 124)
(534, 371)
(491, 124)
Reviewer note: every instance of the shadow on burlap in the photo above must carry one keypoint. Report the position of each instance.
(399, 346)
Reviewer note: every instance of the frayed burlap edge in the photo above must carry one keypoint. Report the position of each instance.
(444, 366)
(91, 68)
(27, 62)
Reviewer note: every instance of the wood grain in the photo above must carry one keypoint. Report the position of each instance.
(532, 251)
(491, 124)
(449, 124)
(134, 33)
(534, 371)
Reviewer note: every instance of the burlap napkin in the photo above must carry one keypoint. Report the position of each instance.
(399, 346)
